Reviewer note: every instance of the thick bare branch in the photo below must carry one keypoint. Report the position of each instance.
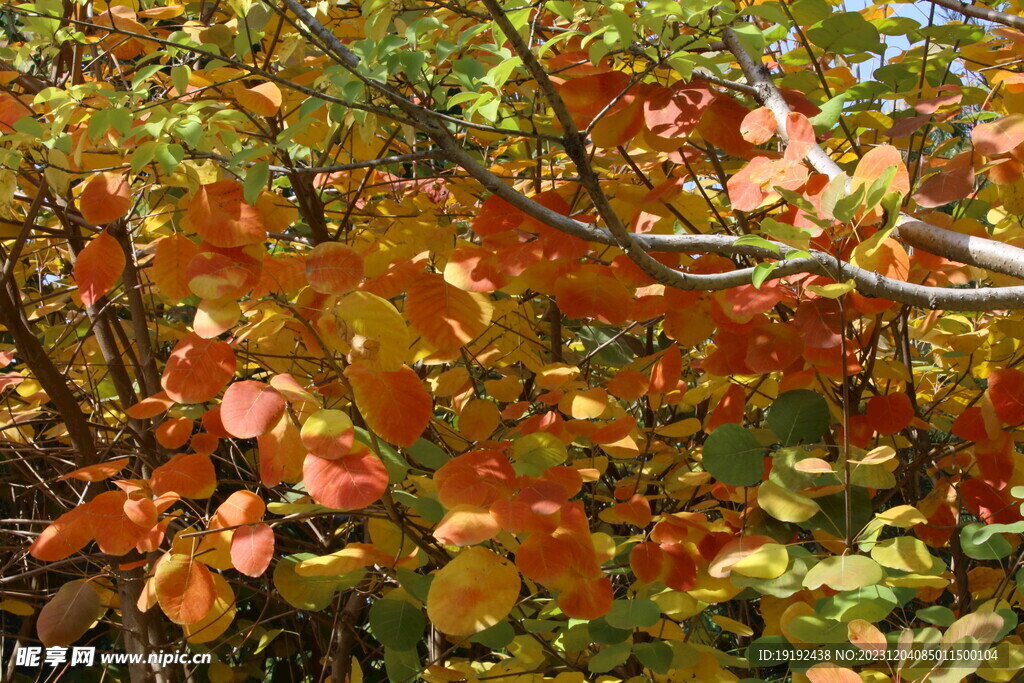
(981, 12)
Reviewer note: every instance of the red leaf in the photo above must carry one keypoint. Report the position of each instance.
(250, 409)
(588, 96)
(197, 369)
(97, 472)
(647, 561)
(1006, 391)
(252, 549)
(477, 478)
(106, 198)
(394, 403)
(801, 137)
(666, 371)
(988, 504)
(98, 266)
(588, 293)
(674, 112)
(348, 483)
(890, 414)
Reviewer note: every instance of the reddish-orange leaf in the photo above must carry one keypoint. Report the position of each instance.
(106, 198)
(220, 214)
(827, 672)
(496, 216)
(999, 136)
(190, 475)
(629, 385)
(197, 369)
(544, 558)
(151, 406)
(114, 532)
(474, 269)
(970, 424)
(347, 483)
(68, 534)
(666, 371)
(674, 112)
(98, 266)
(801, 136)
(635, 511)
(174, 432)
(212, 275)
(170, 265)
(680, 568)
(184, 587)
(589, 293)
(97, 472)
(334, 268)
(889, 414)
(252, 549)
(588, 96)
(647, 561)
(446, 316)
(264, 99)
(241, 507)
(586, 598)
(466, 525)
(69, 614)
(141, 511)
(476, 478)
(773, 347)
(250, 409)
(758, 126)
(729, 410)
(394, 403)
(1006, 391)
(988, 504)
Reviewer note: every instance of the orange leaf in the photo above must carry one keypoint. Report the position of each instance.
(647, 561)
(586, 598)
(334, 268)
(173, 255)
(241, 507)
(873, 164)
(951, 183)
(174, 433)
(447, 317)
(264, 99)
(197, 369)
(97, 472)
(477, 478)
(588, 96)
(588, 293)
(478, 419)
(190, 475)
(999, 136)
(467, 525)
(544, 558)
(758, 126)
(184, 587)
(250, 409)
(801, 137)
(98, 266)
(347, 483)
(68, 534)
(252, 549)
(220, 214)
(666, 371)
(114, 531)
(394, 403)
(151, 406)
(106, 198)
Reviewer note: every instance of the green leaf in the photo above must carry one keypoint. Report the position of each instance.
(395, 464)
(978, 544)
(755, 241)
(496, 637)
(879, 188)
(417, 585)
(751, 38)
(397, 623)
(539, 450)
(630, 614)
(799, 416)
(734, 456)
(428, 454)
(169, 156)
(828, 117)
(402, 665)
(846, 33)
(761, 273)
(655, 656)
(847, 204)
(610, 657)
(870, 603)
(937, 614)
(256, 181)
(606, 634)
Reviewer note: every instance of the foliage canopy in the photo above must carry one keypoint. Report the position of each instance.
(454, 340)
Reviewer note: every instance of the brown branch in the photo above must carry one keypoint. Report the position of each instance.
(980, 12)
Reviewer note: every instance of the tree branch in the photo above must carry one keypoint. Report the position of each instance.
(979, 12)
